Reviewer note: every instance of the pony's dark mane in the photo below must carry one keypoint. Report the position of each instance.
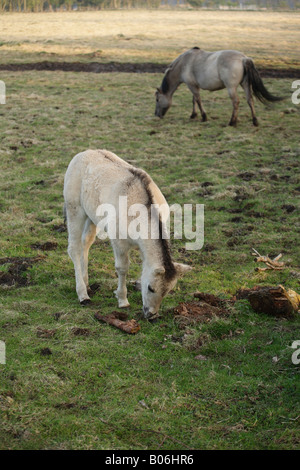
(170, 270)
(165, 83)
(145, 180)
(168, 264)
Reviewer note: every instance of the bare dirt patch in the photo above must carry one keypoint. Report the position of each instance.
(76, 331)
(46, 246)
(204, 310)
(126, 67)
(16, 273)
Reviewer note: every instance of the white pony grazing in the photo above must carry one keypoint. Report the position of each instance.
(97, 177)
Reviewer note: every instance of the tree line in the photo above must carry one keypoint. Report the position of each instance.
(61, 5)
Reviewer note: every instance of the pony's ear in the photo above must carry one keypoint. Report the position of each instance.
(181, 269)
(158, 90)
(159, 270)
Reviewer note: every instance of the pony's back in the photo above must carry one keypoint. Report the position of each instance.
(97, 177)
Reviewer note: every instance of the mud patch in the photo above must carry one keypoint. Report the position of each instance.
(59, 228)
(126, 67)
(16, 273)
(80, 331)
(45, 333)
(92, 67)
(45, 352)
(46, 246)
(202, 311)
(93, 289)
(288, 208)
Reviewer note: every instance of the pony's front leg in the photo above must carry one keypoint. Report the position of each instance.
(121, 264)
(197, 101)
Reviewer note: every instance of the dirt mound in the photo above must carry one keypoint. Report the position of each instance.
(275, 301)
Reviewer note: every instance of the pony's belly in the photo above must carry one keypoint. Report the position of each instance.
(212, 85)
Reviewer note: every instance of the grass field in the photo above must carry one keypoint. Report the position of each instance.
(72, 383)
(157, 36)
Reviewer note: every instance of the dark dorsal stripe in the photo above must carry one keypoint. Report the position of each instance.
(170, 270)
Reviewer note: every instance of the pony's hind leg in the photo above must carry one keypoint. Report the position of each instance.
(88, 237)
(194, 112)
(76, 219)
(235, 103)
(249, 98)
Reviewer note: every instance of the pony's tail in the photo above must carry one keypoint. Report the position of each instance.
(255, 82)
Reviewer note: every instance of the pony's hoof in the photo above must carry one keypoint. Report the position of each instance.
(255, 122)
(85, 302)
(204, 117)
(123, 304)
(193, 115)
(232, 123)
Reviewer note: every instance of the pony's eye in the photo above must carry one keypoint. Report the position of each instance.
(150, 289)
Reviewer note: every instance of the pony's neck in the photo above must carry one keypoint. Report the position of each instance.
(151, 252)
(172, 80)
(156, 253)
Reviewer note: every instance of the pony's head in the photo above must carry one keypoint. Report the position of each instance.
(163, 102)
(155, 285)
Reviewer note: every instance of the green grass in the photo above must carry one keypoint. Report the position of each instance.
(106, 390)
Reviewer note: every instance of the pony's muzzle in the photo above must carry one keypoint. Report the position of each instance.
(161, 112)
(147, 313)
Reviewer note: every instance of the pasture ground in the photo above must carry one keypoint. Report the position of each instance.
(271, 38)
(73, 383)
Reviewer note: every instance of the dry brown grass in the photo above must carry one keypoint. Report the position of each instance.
(270, 38)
